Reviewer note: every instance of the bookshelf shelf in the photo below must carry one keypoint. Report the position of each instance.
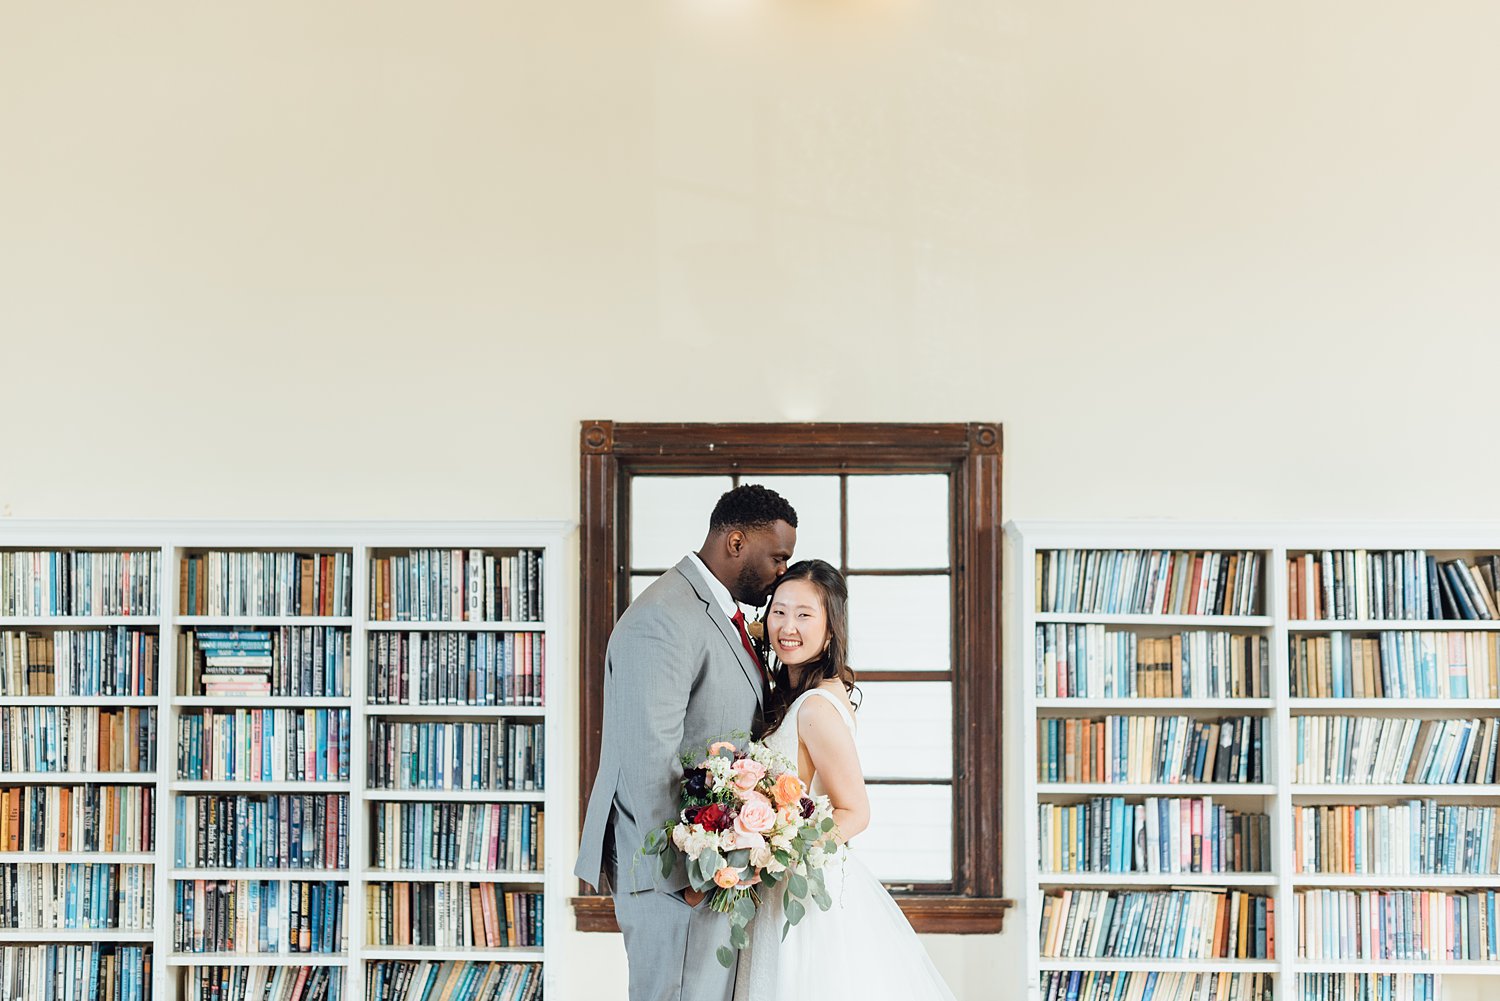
(278, 875)
(437, 954)
(1412, 791)
(1393, 705)
(1388, 625)
(1175, 621)
(356, 552)
(1152, 879)
(447, 625)
(1153, 789)
(1377, 881)
(76, 935)
(1044, 659)
(1174, 965)
(258, 959)
(450, 876)
(258, 702)
(116, 858)
(457, 795)
(1140, 706)
(438, 711)
(259, 621)
(78, 778)
(76, 621)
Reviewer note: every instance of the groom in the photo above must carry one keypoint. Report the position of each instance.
(679, 673)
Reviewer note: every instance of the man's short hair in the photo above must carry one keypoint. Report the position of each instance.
(749, 506)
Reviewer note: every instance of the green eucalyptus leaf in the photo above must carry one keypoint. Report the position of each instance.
(726, 956)
(796, 886)
(827, 825)
(794, 910)
(737, 937)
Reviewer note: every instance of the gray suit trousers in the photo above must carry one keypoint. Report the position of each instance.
(673, 947)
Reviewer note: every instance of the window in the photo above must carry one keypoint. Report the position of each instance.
(911, 514)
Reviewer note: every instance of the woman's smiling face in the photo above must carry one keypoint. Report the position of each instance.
(797, 623)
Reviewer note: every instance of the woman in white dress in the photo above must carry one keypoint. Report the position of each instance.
(863, 947)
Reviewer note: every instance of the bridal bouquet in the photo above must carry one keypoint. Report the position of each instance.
(748, 824)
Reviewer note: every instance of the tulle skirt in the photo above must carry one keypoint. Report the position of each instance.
(861, 948)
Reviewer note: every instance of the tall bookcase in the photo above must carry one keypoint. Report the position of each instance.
(1280, 795)
(361, 545)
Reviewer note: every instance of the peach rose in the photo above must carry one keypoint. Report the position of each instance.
(788, 789)
(721, 745)
(745, 774)
(756, 816)
(727, 877)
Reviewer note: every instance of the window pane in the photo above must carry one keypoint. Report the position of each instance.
(669, 516)
(906, 729)
(899, 623)
(910, 839)
(639, 583)
(816, 501)
(898, 522)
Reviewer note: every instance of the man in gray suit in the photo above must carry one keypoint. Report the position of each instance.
(679, 672)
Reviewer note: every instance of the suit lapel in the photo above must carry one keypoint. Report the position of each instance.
(726, 628)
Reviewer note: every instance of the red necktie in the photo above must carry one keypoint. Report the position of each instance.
(738, 618)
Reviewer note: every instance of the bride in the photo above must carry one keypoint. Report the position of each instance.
(863, 946)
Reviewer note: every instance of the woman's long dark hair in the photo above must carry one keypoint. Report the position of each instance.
(832, 663)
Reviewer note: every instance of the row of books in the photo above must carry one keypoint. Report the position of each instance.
(264, 745)
(1163, 835)
(491, 837)
(103, 972)
(286, 831)
(1398, 925)
(262, 983)
(452, 915)
(290, 661)
(81, 818)
(1344, 584)
(1159, 985)
(1208, 923)
(249, 916)
(1397, 665)
(37, 895)
(118, 661)
(266, 583)
(77, 739)
(457, 585)
(422, 981)
(1147, 582)
(452, 668)
(1417, 837)
(1151, 749)
(1370, 986)
(54, 582)
(1090, 661)
(450, 755)
(1385, 750)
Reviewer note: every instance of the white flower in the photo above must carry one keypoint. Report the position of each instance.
(773, 864)
(761, 857)
(698, 841)
(816, 857)
(783, 842)
(680, 836)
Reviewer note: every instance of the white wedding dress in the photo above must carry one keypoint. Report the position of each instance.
(861, 948)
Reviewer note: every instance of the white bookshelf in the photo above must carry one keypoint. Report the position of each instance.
(1279, 794)
(362, 541)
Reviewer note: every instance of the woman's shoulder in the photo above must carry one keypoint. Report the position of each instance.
(824, 704)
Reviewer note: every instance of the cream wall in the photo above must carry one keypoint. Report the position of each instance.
(378, 260)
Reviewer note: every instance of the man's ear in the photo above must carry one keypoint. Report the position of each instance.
(734, 542)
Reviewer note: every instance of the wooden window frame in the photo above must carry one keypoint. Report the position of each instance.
(971, 454)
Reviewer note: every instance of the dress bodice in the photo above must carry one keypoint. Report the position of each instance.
(784, 741)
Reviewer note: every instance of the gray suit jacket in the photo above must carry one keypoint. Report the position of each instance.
(676, 676)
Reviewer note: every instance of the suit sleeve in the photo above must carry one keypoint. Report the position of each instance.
(654, 671)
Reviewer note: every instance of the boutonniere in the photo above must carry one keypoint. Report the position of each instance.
(757, 630)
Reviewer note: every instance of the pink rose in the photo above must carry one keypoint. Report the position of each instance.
(733, 840)
(757, 815)
(746, 774)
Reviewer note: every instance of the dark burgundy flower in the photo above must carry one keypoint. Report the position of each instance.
(713, 817)
(807, 808)
(698, 783)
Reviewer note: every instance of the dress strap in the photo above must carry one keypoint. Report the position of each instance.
(838, 704)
